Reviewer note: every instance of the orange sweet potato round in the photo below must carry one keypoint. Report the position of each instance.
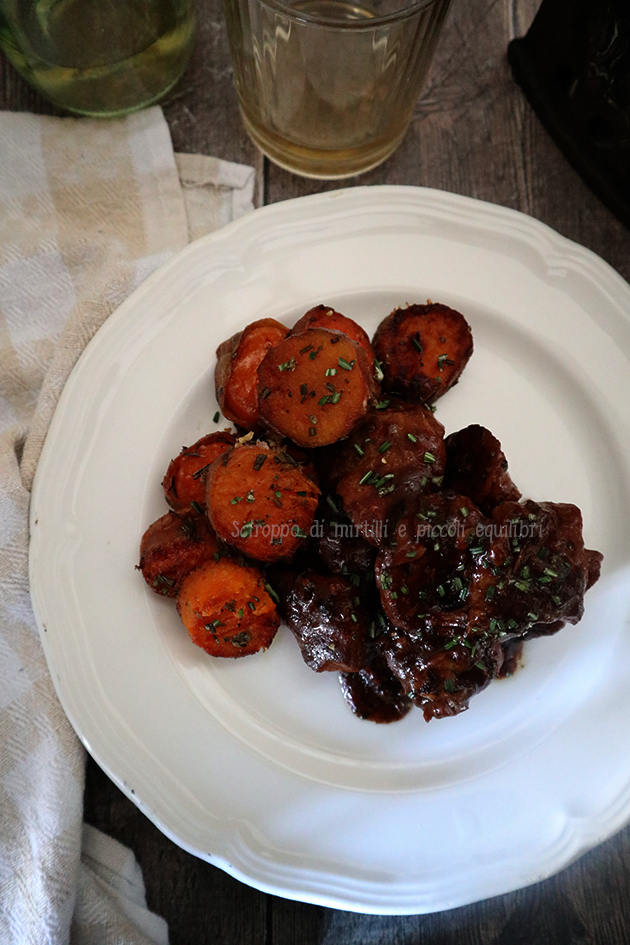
(315, 387)
(260, 501)
(171, 547)
(422, 350)
(235, 377)
(185, 481)
(323, 316)
(227, 609)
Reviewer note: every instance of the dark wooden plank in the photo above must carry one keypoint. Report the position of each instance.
(202, 111)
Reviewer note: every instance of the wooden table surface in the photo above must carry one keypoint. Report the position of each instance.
(475, 134)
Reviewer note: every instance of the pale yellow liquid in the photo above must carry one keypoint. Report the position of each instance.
(98, 57)
(329, 102)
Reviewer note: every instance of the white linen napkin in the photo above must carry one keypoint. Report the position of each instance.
(88, 209)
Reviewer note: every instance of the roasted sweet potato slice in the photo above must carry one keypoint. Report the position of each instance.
(315, 387)
(235, 377)
(171, 547)
(185, 481)
(323, 316)
(422, 350)
(227, 609)
(260, 501)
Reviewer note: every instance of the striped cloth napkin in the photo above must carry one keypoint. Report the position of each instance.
(88, 210)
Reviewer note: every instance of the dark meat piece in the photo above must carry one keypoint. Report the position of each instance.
(374, 694)
(477, 468)
(329, 621)
(434, 583)
(172, 547)
(341, 546)
(593, 566)
(512, 653)
(437, 565)
(458, 586)
(422, 350)
(396, 454)
(548, 571)
(441, 673)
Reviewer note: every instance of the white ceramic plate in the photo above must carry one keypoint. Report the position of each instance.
(257, 765)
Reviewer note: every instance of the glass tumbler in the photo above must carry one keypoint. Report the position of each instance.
(99, 57)
(327, 88)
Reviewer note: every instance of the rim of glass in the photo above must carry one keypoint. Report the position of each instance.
(343, 23)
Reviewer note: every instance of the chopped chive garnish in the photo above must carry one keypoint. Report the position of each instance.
(429, 457)
(346, 365)
(410, 436)
(364, 478)
(200, 472)
(331, 502)
(359, 450)
(385, 445)
(215, 419)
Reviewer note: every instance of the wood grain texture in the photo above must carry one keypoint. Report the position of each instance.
(473, 133)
